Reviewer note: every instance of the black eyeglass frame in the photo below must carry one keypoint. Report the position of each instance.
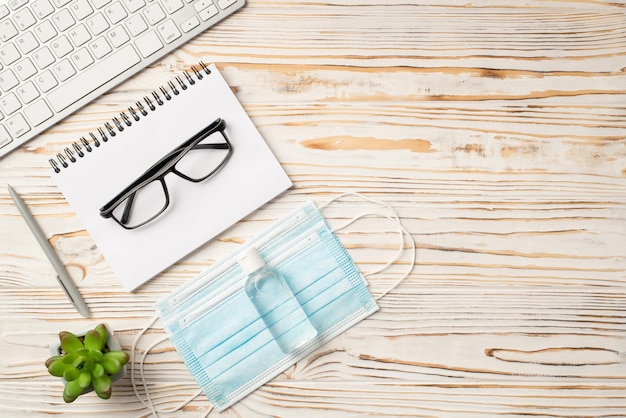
(165, 166)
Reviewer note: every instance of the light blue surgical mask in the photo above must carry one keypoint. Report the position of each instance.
(234, 336)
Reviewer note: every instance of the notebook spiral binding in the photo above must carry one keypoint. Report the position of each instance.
(148, 103)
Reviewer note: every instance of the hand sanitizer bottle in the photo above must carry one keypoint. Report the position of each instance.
(274, 300)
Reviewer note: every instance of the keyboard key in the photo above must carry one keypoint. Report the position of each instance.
(24, 19)
(118, 36)
(208, 13)
(38, 113)
(100, 47)
(189, 24)
(43, 57)
(61, 46)
(9, 103)
(172, 5)
(148, 44)
(81, 9)
(4, 10)
(64, 70)
(202, 4)
(168, 31)
(154, 14)
(17, 126)
(115, 13)
(103, 71)
(79, 35)
(60, 3)
(27, 92)
(9, 54)
(63, 20)
(42, 8)
(97, 24)
(82, 58)
(5, 138)
(45, 31)
(7, 30)
(136, 25)
(134, 5)
(16, 4)
(26, 42)
(45, 81)
(8, 80)
(225, 3)
(99, 4)
(25, 69)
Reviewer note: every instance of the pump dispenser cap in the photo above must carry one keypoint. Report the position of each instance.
(251, 261)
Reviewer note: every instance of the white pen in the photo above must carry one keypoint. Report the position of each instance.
(63, 276)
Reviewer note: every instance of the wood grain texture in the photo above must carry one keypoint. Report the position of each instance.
(496, 128)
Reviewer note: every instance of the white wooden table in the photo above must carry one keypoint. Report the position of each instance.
(497, 129)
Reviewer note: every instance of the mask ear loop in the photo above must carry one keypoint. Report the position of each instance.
(401, 230)
(382, 215)
(148, 402)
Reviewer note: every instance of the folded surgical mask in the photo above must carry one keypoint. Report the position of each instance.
(249, 317)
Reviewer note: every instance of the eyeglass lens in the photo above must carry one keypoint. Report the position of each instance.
(204, 158)
(143, 205)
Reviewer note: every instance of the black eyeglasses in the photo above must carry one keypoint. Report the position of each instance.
(195, 160)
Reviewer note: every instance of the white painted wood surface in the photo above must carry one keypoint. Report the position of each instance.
(496, 128)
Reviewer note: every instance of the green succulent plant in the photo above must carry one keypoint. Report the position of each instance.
(85, 362)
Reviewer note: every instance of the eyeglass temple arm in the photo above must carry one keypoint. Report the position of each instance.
(127, 209)
(212, 146)
(217, 125)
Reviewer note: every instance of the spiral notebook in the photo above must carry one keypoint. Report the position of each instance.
(100, 165)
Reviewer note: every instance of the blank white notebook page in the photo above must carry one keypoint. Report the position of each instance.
(198, 211)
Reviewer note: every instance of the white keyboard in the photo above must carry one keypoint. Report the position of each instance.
(57, 55)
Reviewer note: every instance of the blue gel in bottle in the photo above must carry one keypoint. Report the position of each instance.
(276, 304)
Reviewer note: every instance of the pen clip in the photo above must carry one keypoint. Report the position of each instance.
(69, 296)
